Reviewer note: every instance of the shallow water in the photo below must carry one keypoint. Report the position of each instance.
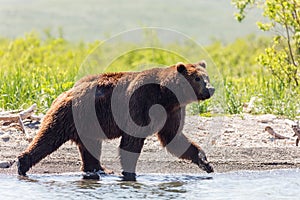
(275, 184)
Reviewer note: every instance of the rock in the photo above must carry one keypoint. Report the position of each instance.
(229, 130)
(213, 142)
(29, 139)
(289, 122)
(6, 164)
(266, 118)
(5, 137)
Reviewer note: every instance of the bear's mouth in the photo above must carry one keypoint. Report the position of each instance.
(209, 92)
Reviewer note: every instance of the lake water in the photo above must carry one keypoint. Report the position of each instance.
(275, 184)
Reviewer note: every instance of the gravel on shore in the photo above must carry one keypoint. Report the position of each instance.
(231, 143)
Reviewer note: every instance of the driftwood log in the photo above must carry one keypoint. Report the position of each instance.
(19, 117)
(11, 116)
(275, 135)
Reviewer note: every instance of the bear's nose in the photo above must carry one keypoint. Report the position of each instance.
(211, 90)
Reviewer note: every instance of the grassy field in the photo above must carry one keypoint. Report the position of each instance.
(35, 70)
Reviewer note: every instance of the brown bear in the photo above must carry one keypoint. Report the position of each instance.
(130, 105)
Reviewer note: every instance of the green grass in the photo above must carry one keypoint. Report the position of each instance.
(35, 70)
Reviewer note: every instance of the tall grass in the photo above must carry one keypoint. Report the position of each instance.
(35, 70)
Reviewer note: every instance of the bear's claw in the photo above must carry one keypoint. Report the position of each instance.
(92, 175)
(208, 168)
(23, 164)
(203, 163)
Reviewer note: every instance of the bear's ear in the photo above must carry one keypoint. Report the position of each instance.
(202, 63)
(180, 67)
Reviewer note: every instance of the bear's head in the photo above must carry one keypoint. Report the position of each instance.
(198, 79)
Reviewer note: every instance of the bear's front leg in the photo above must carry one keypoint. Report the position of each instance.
(179, 145)
(130, 149)
(182, 148)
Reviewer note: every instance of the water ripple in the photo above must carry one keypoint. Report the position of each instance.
(274, 184)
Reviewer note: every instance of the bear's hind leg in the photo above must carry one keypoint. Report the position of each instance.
(91, 159)
(42, 145)
(130, 149)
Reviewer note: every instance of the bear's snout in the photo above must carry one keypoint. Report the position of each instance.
(211, 90)
(206, 93)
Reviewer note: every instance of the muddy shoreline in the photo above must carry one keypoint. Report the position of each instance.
(231, 143)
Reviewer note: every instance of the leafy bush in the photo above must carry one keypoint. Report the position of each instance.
(282, 56)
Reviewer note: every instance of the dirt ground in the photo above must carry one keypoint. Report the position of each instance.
(231, 143)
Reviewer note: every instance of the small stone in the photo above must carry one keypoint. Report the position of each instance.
(264, 141)
(289, 122)
(6, 164)
(229, 130)
(213, 142)
(5, 137)
(266, 118)
(28, 139)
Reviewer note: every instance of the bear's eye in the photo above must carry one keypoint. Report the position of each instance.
(197, 79)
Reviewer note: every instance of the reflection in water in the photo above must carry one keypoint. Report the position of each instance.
(175, 187)
(86, 184)
(237, 185)
(26, 179)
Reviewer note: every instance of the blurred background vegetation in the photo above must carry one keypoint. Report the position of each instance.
(263, 70)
